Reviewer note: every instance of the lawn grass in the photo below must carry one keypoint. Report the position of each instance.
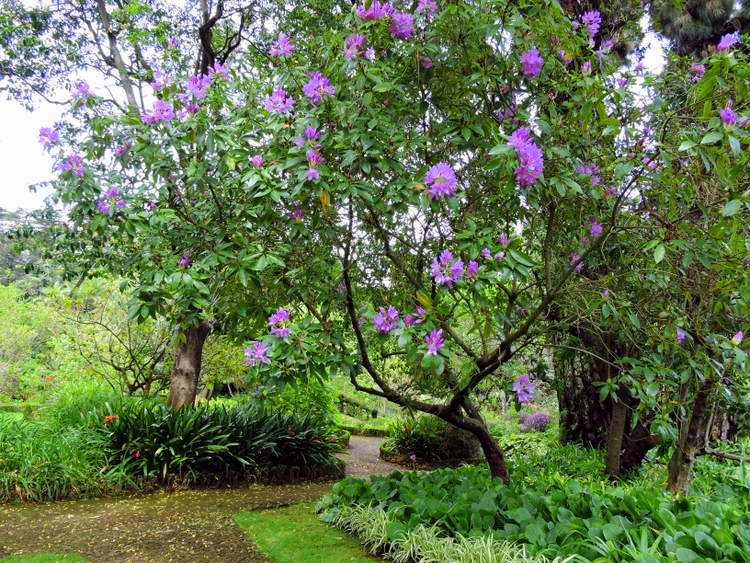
(294, 534)
(44, 558)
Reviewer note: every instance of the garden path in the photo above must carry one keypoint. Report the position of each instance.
(192, 525)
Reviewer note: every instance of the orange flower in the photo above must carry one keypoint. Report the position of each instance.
(110, 418)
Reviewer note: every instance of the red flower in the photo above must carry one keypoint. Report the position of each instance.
(110, 418)
(136, 453)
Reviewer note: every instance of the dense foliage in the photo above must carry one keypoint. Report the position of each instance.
(554, 517)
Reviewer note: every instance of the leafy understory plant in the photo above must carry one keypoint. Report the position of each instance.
(426, 544)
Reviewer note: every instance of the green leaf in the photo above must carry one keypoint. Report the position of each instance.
(731, 208)
(659, 252)
(500, 149)
(712, 137)
(686, 145)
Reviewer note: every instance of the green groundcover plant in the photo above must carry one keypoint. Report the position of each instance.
(555, 517)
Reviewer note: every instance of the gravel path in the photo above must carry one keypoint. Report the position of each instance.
(363, 458)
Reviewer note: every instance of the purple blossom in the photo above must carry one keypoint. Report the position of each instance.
(282, 47)
(441, 181)
(386, 320)
(162, 111)
(184, 262)
(103, 207)
(402, 25)
(218, 70)
(73, 163)
(377, 11)
(681, 335)
(728, 115)
(198, 85)
(586, 67)
(278, 102)
(415, 318)
(150, 205)
(427, 7)
(257, 160)
(425, 62)
(472, 269)
(121, 149)
(121, 203)
(611, 191)
(605, 47)
(524, 389)
(48, 136)
(434, 342)
(316, 87)
(727, 41)
(499, 255)
(650, 162)
(592, 20)
(532, 62)
(312, 135)
(370, 54)
(447, 270)
(81, 89)
(314, 158)
(354, 46)
(697, 70)
(111, 193)
(256, 353)
(313, 174)
(575, 261)
(486, 253)
(596, 228)
(173, 42)
(504, 240)
(277, 322)
(530, 157)
(566, 59)
(536, 422)
(622, 82)
(160, 80)
(297, 213)
(605, 293)
(738, 338)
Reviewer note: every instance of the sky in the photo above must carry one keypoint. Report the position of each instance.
(23, 161)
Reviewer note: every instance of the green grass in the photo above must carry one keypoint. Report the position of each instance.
(44, 558)
(294, 534)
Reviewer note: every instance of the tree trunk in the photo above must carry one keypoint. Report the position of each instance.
(614, 438)
(490, 448)
(690, 442)
(187, 366)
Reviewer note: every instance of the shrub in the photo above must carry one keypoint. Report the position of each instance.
(535, 422)
(554, 518)
(430, 440)
(40, 461)
(206, 444)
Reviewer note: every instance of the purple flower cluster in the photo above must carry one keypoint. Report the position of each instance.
(377, 11)
(592, 20)
(575, 261)
(586, 67)
(311, 135)
(314, 160)
(121, 149)
(592, 171)
(161, 112)
(282, 47)
(198, 85)
(728, 115)
(738, 338)
(697, 70)
(110, 197)
(441, 181)
(161, 80)
(48, 136)
(218, 70)
(81, 89)
(427, 7)
(596, 229)
(354, 46)
(256, 353)
(278, 321)
(524, 389)
(532, 62)
(447, 270)
(317, 87)
(73, 163)
(278, 102)
(434, 341)
(184, 262)
(386, 320)
(680, 335)
(530, 157)
(297, 213)
(728, 41)
(402, 26)
(472, 269)
(535, 422)
(257, 160)
(415, 318)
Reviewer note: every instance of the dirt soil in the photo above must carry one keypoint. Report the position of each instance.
(183, 526)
